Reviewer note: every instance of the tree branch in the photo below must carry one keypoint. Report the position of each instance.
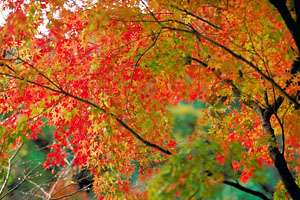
(34, 83)
(297, 10)
(274, 153)
(9, 167)
(19, 184)
(61, 176)
(196, 16)
(122, 123)
(245, 189)
(280, 5)
(291, 24)
(72, 193)
(241, 58)
(40, 73)
(282, 133)
(138, 60)
(264, 114)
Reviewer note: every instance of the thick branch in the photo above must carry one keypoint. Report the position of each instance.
(272, 109)
(291, 24)
(283, 170)
(274, 153)
(247, 190)
(285, 13)
(297, 9)
(264, 115)
(200, 62)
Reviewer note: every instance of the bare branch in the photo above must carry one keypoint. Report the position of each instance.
(20, 183)
(245, 189)
(71, 194)
(9, 167)
(62, 175)
(38, 186)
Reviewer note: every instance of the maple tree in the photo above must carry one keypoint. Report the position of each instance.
(106, 73)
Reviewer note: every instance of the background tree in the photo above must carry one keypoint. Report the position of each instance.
(106, 73)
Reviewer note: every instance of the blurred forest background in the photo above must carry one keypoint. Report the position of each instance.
(28, 178)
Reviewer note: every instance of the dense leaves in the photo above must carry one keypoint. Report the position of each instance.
(106, 74)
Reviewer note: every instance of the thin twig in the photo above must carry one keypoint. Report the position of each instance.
(138, 60)
(239, 57)
(20, 183)
(58, 179)
(40, 73)
(196, 16)
(71, 194)
(38, 186)
(9, 167)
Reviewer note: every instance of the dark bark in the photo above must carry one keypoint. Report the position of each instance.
(292, 25)
(247, 190)
(284, 173)
(297, 10)
(274, 153)
(265, 115)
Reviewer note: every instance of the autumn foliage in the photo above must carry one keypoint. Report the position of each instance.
(106, 75)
